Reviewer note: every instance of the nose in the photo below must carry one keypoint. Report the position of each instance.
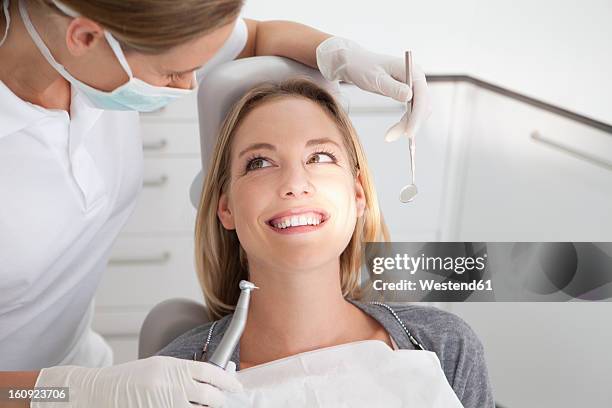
(296, 182)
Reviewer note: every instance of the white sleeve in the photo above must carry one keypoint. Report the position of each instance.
(232, 47)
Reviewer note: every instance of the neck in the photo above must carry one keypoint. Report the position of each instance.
(296, 311)
(26, 72)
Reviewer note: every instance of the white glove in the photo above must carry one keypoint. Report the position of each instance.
(342, 59)
(155, 382)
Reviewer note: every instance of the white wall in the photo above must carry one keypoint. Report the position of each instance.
(555, 50)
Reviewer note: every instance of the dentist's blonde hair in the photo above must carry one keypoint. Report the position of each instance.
(153, 26)
(220, 259)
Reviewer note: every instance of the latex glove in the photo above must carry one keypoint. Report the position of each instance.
(342, 59)
(155, 382)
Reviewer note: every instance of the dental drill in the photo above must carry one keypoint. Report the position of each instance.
(231, 338)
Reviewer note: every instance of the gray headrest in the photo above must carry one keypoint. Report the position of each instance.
(222, 87)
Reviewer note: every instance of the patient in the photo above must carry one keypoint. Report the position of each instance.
(288, 204)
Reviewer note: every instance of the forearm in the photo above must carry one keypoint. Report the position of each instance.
(283, 38)
(16, 380)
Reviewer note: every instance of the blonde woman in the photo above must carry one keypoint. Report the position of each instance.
(288, 204)
(73, 74)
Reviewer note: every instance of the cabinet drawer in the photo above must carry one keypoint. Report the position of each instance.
(184, 108)
(163, 205)
(144, 271)
(170, 138)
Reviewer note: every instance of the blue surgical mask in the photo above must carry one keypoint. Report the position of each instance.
(134, 95)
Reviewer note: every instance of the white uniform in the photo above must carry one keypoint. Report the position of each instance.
(67, 186)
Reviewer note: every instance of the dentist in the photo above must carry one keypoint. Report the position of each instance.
(73, 75)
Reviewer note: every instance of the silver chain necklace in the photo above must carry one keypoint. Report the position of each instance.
(414, 341)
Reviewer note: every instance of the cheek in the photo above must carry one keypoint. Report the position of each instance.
(338, 183)
(249, 202)
(338, 189)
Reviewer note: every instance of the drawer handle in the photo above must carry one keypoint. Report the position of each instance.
(535, 135)
(159, 145)
(154, 260)
(155, 112)
(158, 182)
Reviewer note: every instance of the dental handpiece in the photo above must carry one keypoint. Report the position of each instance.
(231, 338)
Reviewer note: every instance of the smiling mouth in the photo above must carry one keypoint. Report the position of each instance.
(305, 222)
(297, 229)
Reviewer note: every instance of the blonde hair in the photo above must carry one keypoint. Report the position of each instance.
(155, 26)
(218, 268)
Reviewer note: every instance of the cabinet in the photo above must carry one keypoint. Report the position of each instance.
(519, 173)
(372, 115)
(152, 259)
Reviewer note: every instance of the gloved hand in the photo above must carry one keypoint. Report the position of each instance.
(342, 59)
(155, 382)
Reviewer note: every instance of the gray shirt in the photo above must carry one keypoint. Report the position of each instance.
(458, 348)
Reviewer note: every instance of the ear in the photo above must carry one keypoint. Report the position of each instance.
(83, 35)
(360, 199)
(224, 212)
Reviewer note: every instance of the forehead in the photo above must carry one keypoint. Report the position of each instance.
(287, 120)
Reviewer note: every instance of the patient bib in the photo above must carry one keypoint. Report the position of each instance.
(360, 374)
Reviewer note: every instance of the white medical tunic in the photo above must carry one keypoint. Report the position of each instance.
(68, 184)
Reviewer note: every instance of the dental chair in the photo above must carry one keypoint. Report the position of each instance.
(219, 90)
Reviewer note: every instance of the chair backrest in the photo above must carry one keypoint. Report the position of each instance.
(222, 87)
(168, 320)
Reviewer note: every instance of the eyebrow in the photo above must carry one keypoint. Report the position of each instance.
(268, 146)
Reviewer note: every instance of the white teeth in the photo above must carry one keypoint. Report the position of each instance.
(298, 220)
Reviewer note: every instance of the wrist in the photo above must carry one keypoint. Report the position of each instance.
(332, 56)
(77, 380)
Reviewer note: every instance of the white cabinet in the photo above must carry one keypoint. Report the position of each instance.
(372, 115)
(163, 205)
(523, 174)
(546, 355)
(152, 259)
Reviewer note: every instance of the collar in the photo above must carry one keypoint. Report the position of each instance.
(15, 113)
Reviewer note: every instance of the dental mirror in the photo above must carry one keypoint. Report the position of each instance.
(409, 191)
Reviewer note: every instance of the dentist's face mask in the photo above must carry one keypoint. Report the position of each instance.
(134, 95)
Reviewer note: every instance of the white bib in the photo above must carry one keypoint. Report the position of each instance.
(360, 374)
